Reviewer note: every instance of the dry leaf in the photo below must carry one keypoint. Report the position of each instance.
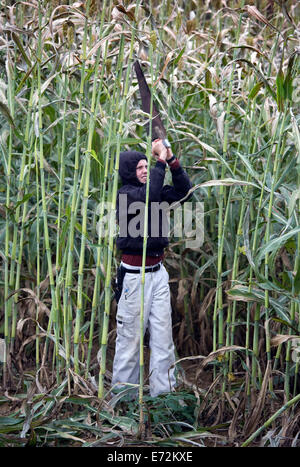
(214, 355)
(169, 56)
(281, 338)
(254, 418)
(253, 11)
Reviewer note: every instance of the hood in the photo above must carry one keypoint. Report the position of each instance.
(127, 167)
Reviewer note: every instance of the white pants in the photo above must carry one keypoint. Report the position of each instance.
(157, 318)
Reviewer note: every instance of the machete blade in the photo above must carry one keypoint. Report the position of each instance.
(158, 129)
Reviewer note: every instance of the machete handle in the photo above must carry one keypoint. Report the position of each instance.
(166, 143)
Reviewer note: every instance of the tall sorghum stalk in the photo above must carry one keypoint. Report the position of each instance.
(61, 162)
(16, 256)
(253, 251)
(148, 154)
(8, 263)
(279, 148)
(295, 287)
(106, 196)
(231, 313)
(53, 317)
(255, 234)
(96, 291)
(242, 230)
(84, 186)
(22, 191)
(221, 199)
(123, 107)
(38, 259)
(111, 228)
(297, 252)
(75, 200)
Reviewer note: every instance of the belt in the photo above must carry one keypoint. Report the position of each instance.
(137, 271)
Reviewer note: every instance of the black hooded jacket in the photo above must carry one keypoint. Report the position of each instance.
(130, 241)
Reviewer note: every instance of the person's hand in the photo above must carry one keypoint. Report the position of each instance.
(169, 153)
(159, 151)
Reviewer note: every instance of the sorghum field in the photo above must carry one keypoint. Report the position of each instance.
(225, 77)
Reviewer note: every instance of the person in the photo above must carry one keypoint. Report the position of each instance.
(157, 303)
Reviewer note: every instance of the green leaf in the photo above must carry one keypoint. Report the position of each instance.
(275, 244)
(259, 74)
(5, 111)
(280, 90)
(208, 80)
(9, 421)
(126, 423)
(188, 100)
(285, 323)
(10, 424)
(25, 78)
(23, 200)
(21, 48)
(297, 280)
(246, 237)
(288, 81)
(79, 228)
(255, 90)
(249, 167)
(92, 152)
(242, 293)
(176, 60)
(296, 134)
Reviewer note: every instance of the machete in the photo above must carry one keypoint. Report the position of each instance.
(158, 129)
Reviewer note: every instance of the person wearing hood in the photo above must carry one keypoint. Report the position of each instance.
(131, 198)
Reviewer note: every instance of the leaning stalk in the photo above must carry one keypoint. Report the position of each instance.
(271, 420)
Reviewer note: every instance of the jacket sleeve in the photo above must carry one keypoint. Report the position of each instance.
(181, 185)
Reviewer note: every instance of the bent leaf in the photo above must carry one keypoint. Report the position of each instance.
(281, 338)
